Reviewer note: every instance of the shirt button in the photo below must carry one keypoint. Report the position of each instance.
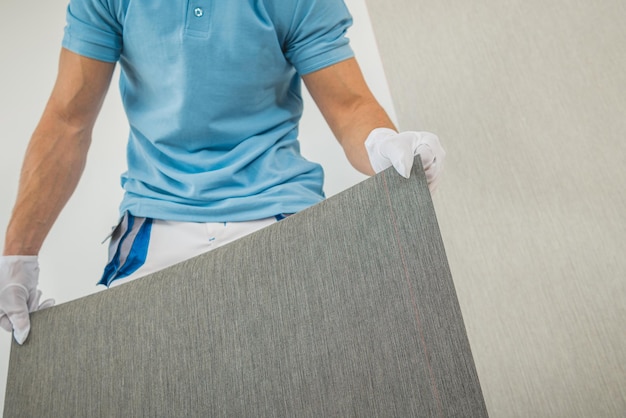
(198, 12)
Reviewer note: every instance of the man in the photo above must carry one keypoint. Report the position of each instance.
(212, 94)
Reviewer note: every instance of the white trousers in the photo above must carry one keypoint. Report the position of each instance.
(173, 242)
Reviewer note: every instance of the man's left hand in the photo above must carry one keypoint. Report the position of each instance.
(386, 148)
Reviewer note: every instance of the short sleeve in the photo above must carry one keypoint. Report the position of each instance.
(93, 30)
(317, 35)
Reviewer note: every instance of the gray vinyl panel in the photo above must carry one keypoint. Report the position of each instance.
(529, 99)
(345, 309)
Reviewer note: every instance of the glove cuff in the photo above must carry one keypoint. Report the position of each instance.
(24, 258)
(378, 134)
(373, 143)
(22, 269)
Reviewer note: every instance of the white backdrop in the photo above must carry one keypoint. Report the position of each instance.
(73, 256)
(528, 98)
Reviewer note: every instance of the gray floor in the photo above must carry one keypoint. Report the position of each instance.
(529, 100)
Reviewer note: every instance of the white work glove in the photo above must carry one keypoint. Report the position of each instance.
(19, 275)
(386, 148)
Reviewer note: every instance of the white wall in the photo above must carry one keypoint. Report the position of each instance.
(73, 256)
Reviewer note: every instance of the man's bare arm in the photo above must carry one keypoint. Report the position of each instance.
(56, 155)
(349, 107)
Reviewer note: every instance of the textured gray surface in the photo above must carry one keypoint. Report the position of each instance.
(529, 100)
(346, 309)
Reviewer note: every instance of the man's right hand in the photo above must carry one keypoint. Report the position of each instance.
(19, 296)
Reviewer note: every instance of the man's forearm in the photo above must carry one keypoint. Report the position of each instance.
(57, 152)
(53, 164)
(366, 116)
(349, 107)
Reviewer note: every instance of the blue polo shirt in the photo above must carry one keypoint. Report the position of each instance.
(212, 93)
